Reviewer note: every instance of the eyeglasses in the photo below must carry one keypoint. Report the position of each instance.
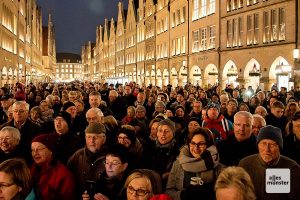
(5, 185)
(200, 144)
(138, 192)
(37, 149)
(113, 163)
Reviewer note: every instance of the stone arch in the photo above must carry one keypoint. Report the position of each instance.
(278, 61)
(252, 73)
(230, 74)
(195, 74)
(174, 77)
(280, 73)
(182, 76)
(166, 76)
(159, 78)
(210, 74)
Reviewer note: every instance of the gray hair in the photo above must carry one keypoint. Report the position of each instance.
(17, 103)
(245, 114)
(15, 133)
(96, 110)
(263, 121)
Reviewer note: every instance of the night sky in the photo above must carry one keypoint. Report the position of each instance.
(75, 21)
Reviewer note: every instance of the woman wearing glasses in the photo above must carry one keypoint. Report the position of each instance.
(15, 180)
(194, 172)
(142, 184)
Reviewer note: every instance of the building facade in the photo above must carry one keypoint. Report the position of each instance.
(21, 43)
(206, 42)
(68, 67)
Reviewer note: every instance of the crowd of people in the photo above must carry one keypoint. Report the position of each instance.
(84, 140)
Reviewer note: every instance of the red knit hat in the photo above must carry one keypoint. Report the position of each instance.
(49, 140)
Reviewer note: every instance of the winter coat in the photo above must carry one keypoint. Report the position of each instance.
(186, 166)
(86, 166)
(256, 168)
(220, 127)
(232, 151)
(55, 182)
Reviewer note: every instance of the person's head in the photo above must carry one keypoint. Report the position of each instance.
(258, 123)
(95, 136)
(261, 96)
(94, 99)
(127, 90)
(9, 139)
(142, 184)
(160, 107)
(35, 113)
(44, 106)
(116, 160)
(272, 100)
(112, 95)
(231, 105)
(197, 107)
(140, 112)
(224, 98)
(15, 179)
(269, 142)
(70, 108)
(235, 93)
(295, 125)
(94, 115)
(56, 99)
(291, 109)
(62, 122)
(277, 109)
(131, 111)
(193, 124)
(180, 96)
(179, 111)
(244, 107)
(199, 141)
(213, 110)
(260, 110)
(204, 113)
(126, 135)
(79, 106)
(111, 122)
(20, 111)
(72, 96)
(166, 131)
(154, 127)
(242, 125)
(6, 101)
(43, 148)
(234, 183)
(10, 114)
(140, 97)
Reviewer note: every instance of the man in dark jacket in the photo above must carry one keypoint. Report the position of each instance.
(241, 144)
(86, 164)
(270, 143)
(117, 105)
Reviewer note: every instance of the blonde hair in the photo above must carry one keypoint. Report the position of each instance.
(138, 174)
(238, 178)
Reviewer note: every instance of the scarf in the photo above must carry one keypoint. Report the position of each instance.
(197, 165)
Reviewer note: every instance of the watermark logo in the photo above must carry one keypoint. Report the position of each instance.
(278, 180)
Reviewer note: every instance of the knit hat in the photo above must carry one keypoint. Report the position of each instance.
(49, 140)
(67, 105)
(213, 105)
(66, 116)
(129, 131)
(179, 106)
(196, 119)
(154, 178)
(169, 123)
(96, 128)
(271, 133)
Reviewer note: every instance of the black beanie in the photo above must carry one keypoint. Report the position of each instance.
(129, 131)
(67, 105)
(271, 133)
(66, 116)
